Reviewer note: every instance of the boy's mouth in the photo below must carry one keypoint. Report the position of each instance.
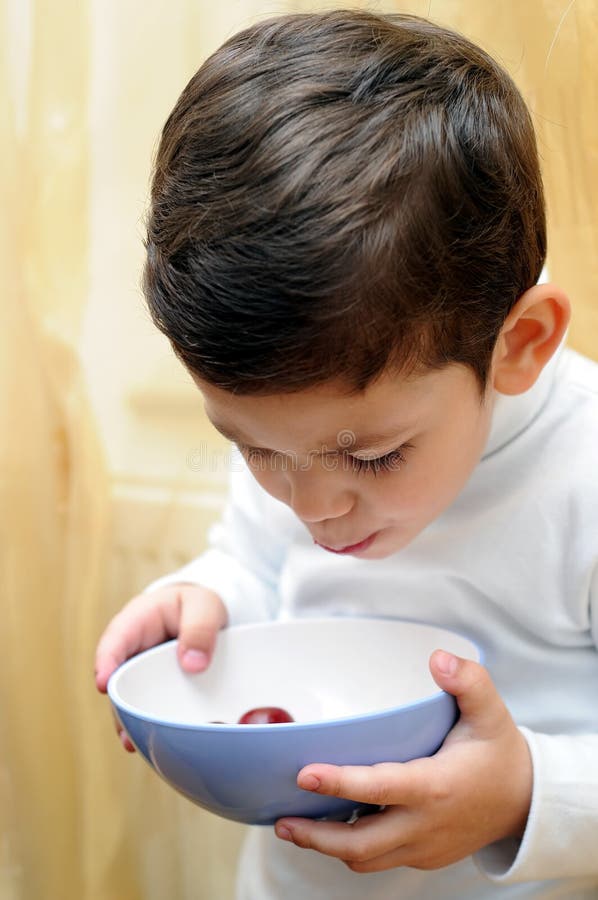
(351, 548)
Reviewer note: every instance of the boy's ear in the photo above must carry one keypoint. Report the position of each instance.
(530, 335)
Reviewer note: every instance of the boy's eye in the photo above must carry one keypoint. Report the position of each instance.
(390, 462)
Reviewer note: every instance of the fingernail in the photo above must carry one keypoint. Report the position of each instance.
(309, 782)
(283, 833)
(446, 662)
(195, 660)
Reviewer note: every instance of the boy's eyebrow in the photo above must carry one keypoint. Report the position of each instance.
(344, 439)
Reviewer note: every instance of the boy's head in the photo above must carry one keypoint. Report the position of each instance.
(346, 227)
(340, 193)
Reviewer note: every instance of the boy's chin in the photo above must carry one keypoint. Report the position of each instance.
(388, 542)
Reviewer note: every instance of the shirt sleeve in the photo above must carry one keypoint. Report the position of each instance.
(246, 551)
(561, 836)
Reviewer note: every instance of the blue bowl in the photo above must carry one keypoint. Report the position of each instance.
(359, 691)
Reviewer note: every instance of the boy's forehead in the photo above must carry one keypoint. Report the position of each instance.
(326, 416)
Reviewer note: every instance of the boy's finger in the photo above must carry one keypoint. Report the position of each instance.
(145, 621)
(479, 702)
(383, 784)
(104, 667)
(369, 839)
(125, 739)
(122, 734)
(202, 617)
(110, 654)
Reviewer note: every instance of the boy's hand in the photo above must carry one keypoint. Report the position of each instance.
(475, 790)
(193, 613)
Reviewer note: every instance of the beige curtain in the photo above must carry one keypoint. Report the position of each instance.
(78, 818)
(52, 476)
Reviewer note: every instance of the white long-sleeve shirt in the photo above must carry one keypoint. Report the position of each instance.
(513, 564)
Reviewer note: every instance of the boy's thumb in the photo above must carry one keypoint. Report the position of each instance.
(201, 620)
(469, 682)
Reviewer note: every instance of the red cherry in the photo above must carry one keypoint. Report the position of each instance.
(265, 715)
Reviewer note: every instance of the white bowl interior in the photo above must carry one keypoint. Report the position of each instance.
(316, 669)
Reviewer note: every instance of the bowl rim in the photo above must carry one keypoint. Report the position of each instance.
(436, 697)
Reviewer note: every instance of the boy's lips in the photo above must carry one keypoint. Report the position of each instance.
(350, 548)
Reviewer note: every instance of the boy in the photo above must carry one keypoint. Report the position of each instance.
(345, 239)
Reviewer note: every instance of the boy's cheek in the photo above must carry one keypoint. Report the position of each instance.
(274, 483)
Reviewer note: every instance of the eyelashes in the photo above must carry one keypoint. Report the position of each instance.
(389, 462)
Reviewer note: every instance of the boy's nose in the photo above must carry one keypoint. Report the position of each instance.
(313, 501)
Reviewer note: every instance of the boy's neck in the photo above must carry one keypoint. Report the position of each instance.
(512, 414)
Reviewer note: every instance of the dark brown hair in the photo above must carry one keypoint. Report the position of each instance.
(339, 193)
